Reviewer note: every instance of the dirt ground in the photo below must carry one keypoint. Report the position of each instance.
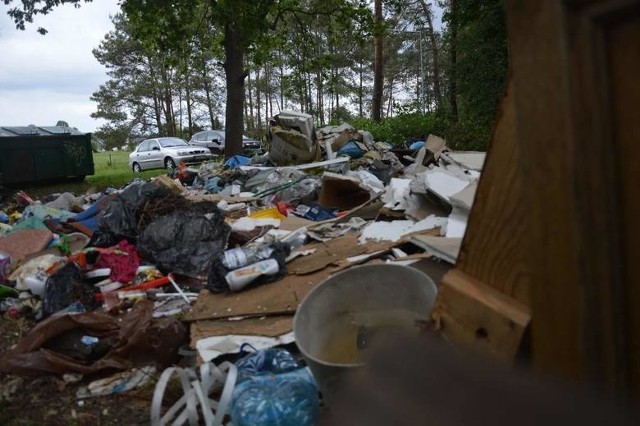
(52, 401)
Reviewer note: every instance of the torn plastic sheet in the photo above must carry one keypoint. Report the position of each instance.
(118, 383)
(212, 347)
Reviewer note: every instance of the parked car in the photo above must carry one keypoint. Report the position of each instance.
(166, 153)
(214, 140)
(211, 139)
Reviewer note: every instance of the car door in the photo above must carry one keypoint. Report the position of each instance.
(141, 155)
(217, 138)
(156, 158)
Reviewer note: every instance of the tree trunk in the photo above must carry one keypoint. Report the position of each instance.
(250, 101)
(270, 96)
(378, 64)
(207, 91)
(258, 98)
(235, 75)
(361, 91)
(281, 106)
(435, 51)
(453, 83)
(167, 105)
(187, 96)
(156, 97)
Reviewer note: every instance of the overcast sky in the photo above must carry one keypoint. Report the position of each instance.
(48, 78)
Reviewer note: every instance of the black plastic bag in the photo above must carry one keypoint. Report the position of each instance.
(185, 242)
(120, 219)
(66, 287)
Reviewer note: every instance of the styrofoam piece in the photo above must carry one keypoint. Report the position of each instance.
(395, 230)
(247, 223)
(457, 223)
(444, 184)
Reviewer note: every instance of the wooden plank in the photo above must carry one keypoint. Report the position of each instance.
(625, 290)
(493, 247)
(480, 317)
(575, 75)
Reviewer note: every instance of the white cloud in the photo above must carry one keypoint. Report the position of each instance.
(48, 78)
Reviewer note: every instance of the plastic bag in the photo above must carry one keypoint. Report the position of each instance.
(351, 149)
(273, 389)
(135, 340)
(185, 242)
(65, 287)
(119, 217)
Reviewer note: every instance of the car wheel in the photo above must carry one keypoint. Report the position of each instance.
(136, 168)
(169, 164)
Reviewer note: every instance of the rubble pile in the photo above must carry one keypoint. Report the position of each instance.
(215, 260)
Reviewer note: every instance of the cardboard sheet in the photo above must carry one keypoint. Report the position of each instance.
(270, 326)
(341, 192)
(278, 298)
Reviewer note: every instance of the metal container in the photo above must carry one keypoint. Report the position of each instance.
(36, 154)
(332, 323)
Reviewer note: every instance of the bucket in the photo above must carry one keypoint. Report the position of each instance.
(334, 323)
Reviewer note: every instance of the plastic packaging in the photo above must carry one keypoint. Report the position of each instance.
(5, 265)
(240, 278)
(36, 284)
(273, 213)
(12, 306)
(273, 389)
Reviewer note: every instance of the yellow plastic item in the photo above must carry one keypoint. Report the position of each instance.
(273, 213)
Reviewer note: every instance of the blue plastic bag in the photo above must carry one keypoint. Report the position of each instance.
(237, 161)
(273, 389)
(416, 145)
(351, 149)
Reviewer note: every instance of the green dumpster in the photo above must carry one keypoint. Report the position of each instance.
(37, 154)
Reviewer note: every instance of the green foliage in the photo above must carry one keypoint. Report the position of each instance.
(467, 135)
(397, 130)
(481, 69)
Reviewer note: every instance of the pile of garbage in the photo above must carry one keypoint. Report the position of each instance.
(216, 259)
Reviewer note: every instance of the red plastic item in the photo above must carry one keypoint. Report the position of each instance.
(282, 208)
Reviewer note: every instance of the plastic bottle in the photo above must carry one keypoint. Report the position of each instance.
(243, 256)
(239, 278)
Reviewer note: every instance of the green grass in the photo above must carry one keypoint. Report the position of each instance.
(112, 170)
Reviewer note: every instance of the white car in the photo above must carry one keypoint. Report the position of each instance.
(158, 153)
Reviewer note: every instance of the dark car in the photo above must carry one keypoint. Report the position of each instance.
(214, 140)
(211, 139)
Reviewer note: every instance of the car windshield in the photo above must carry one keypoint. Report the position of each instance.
(167, 142)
